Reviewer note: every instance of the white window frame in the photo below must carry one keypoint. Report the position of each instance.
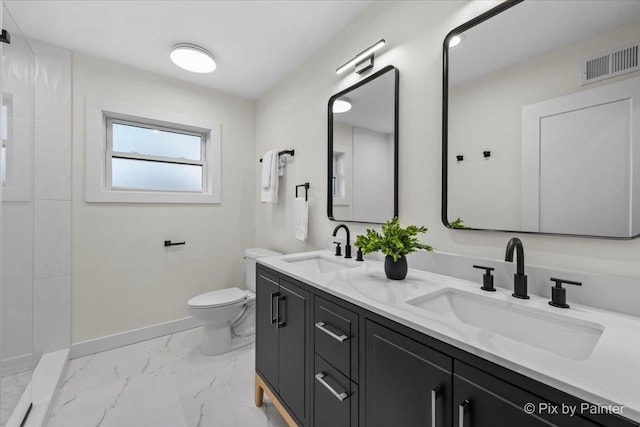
(99, 154)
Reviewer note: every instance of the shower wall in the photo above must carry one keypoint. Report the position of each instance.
(37, 278)
(52, 196)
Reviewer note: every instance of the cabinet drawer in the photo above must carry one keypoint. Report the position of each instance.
(335, 397)
(336, 336)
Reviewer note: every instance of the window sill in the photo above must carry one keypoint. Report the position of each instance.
(150, 197)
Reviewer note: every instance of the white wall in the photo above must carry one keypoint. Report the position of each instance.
(293, 115)
(123, 276)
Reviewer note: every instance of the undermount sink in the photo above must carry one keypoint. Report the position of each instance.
(571, 338)
(318, 264)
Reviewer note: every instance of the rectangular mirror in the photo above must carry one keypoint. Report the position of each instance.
(363, 150)
(541, 124)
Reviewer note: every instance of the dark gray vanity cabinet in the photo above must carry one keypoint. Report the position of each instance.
(482, 400)
(331, 363)
(282, 341)
(406, 383)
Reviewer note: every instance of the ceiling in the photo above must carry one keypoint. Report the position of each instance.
(255, 43)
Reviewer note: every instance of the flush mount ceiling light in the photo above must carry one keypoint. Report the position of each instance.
(365, 57)
(192, 58)
(341, 105)
(455, 40)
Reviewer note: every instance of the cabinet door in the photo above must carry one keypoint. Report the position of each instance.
(406, 383)
(267, 291)
(483, 400)
(293, 308)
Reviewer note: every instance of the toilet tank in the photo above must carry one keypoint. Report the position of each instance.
(250, 264)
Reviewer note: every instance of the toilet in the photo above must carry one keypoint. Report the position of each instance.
(228, 313)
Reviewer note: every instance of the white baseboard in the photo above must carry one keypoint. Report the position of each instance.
(17, 364)
(110, 342)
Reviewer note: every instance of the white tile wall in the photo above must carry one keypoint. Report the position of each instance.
(36, 227)
(52, 243)
(17, 317)
(51, 314)
(17, 72)
(52, 189)
(17, 238)
(52, 161)
(20, 174)
(52, 83)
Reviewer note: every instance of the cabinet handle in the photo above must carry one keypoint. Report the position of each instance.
(341, 338)
(462, 410)
(341, 396)
(281, 323)
(273, 319)
(435, 393)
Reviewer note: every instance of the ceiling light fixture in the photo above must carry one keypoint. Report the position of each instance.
(192, 58)
(341, 105)
(455, 40)
(366, 56)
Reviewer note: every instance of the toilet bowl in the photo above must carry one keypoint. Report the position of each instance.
(228, 313)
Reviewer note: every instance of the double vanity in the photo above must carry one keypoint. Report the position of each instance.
(339, 344)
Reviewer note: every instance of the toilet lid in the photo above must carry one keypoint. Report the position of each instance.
(218, 298)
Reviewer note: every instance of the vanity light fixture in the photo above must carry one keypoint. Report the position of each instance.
(362, 61)
(192, 58)
(341, 105)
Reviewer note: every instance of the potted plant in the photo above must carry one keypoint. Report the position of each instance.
(395, 242)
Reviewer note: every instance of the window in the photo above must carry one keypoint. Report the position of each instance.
(147, 157)
(150, 157)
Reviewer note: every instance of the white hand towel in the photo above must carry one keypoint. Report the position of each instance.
(266, 168)
(301, 218)
(270, 193)
(281, 163)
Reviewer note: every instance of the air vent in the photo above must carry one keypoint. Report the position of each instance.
(610, 64)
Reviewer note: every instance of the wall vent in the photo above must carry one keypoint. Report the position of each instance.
(610, 64)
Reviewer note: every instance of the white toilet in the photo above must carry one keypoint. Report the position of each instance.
(230, 312)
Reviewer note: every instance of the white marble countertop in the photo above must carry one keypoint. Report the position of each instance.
(609, 376)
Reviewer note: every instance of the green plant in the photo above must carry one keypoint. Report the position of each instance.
(394, 240)
(457, 223)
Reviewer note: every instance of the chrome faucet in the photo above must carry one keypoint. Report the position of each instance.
(519, 279)
(347, 247)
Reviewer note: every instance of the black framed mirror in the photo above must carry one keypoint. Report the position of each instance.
(541, 123)
(362, 177)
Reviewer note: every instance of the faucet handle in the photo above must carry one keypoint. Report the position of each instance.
(487, 278)
(559, 294)
(338, 250)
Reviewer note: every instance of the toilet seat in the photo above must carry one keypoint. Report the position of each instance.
(218, 298)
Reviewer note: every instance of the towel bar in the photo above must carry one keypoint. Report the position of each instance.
(306, 191)
(280, 153)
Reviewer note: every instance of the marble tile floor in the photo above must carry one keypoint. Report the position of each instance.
(164, 382)
(12, 386)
